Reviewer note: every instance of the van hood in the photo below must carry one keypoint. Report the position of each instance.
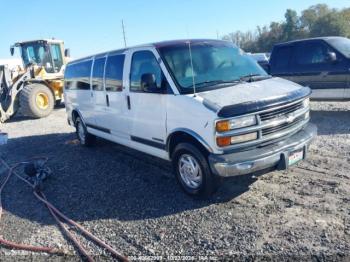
(252, 97)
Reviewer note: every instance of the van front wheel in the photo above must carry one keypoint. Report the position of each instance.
(84, 137)
(192, 171)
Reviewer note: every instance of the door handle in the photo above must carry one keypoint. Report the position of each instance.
(107, 100)
(128, 100)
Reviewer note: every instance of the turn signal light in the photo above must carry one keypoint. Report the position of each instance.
(223, 141)
(223, 126)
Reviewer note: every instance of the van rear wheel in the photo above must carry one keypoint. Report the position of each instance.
(193, 172)
(84, 137)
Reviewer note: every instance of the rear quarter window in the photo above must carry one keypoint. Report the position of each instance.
(77, 76)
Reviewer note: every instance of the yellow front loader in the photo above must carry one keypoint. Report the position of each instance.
(36, 88)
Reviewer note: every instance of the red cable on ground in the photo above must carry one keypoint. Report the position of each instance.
(11, 244)
(15, 245)
(71, 237)
(55, 213)
(83, 230)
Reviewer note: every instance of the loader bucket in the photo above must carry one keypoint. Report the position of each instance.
(9, 92)
(4, 91)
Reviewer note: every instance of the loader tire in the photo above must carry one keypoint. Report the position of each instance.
(36, 100)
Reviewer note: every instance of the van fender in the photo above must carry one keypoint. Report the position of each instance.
(74, 112)
(192, 134)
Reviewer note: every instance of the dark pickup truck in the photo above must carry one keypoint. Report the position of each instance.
(323, 64)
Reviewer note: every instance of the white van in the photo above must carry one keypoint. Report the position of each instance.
(203, 104)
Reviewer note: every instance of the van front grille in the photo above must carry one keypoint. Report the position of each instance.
(281, 127)
(273, 124)
(281, 119)
(280, 111)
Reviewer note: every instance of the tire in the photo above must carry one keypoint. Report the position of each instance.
(207, 184)
(84, 137)
(36, 100)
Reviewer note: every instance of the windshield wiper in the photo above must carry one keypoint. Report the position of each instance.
(215, 82)
(254, 77)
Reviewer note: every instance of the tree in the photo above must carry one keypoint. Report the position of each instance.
(317, 20)
(312, 14)
(240, 38)
(291, 26)
(331, 24)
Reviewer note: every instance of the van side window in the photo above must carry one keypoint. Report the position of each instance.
(114, 73)
(97, 74)
(309, 53)
(77, 76)
(144, 62)
(282, 57)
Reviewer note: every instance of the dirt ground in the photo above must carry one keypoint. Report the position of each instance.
(132, 201)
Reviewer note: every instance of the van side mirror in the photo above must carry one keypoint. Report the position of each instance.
(148, 83)
(67, 52)
(331, 57)
(12, 50)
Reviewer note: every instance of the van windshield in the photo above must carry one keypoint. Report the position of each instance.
(342, 44)
(215, 64)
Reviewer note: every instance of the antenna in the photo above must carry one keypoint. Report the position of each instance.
(193, 82)
(124, 33)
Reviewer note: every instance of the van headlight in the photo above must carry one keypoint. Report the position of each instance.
(306, 102)
(239, 122)
(237, 139)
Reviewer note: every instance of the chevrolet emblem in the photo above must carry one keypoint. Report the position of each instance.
(290, 118)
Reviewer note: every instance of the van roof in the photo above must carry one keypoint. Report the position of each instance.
(325, 38)
(156, 44)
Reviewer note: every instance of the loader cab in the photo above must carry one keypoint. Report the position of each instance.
(48, 54)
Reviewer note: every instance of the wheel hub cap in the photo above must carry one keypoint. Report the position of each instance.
(81, 132)
(190, 171)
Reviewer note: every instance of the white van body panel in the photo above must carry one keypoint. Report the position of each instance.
(98, 100)
(81, 101)
(128, 143)
(146, 116)
(187, 113)
(115, 115)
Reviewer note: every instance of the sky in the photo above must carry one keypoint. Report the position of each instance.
(89, 27)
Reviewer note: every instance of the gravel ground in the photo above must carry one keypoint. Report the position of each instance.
(132, 201)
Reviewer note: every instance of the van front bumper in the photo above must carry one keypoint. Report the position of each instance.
(275, 155)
